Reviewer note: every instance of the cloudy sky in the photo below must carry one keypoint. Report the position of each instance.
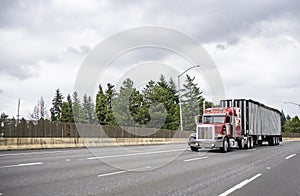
(254, 44)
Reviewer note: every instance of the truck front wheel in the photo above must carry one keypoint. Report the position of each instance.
(225, 146)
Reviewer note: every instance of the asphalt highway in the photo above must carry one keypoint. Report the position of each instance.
(171, 169)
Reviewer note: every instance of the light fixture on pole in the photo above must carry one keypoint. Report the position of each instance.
(289, 102)
(180, 109)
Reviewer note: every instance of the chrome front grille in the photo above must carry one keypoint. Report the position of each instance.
(206, 132)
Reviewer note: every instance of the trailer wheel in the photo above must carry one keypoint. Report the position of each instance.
(225, 146)
(251, 142)
(195, 149)
(271, 141)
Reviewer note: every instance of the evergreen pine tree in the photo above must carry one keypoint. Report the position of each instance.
(88, 108)
(191, 103)
(110, 94)
(283, 119)
(162, 103)
(67, 111)
(121, 104)
(78, 114)
(56, 106)
(101, 106)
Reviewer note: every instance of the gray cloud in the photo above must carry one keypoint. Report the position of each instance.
(219, 20)
(35, 32)
(83, 50)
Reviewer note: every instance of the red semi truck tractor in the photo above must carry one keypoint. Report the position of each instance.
(238, 123)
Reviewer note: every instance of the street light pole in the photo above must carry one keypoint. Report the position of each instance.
(180, 109)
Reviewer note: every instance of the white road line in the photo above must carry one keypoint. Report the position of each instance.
(22, 165)
(32, 153)
(288, 157)
(112, 173)
(134, 154)
(240, 185)
(194, 159)
(140, 169)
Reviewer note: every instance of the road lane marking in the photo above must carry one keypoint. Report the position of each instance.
(133, 154)
(288, 157)
(194, 159)
(22, 165)
(140, 169)
(112, 173)
(240, 185)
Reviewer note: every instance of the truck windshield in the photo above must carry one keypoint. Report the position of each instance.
(213, 119)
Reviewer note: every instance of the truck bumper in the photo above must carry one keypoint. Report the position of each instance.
(206, 144)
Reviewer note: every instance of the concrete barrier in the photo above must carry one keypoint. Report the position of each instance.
(42, 143)
(291, 139)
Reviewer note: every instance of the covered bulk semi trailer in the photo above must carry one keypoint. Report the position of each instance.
(237, 123)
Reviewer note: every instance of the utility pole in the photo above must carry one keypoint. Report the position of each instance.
(18, 115)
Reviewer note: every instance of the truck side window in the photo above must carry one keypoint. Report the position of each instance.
(227, 119)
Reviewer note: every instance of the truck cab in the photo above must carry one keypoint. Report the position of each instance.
(218, 128)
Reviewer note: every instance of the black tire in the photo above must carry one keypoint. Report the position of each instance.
(270, 141)
(251, 143)
(225, 147)
(247, 145)
(241, 144)
(195, 149)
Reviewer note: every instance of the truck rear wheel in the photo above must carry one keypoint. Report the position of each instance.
(241, 144)
(249, 143)
(195, 149)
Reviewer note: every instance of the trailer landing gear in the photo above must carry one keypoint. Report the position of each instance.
(195, 149)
